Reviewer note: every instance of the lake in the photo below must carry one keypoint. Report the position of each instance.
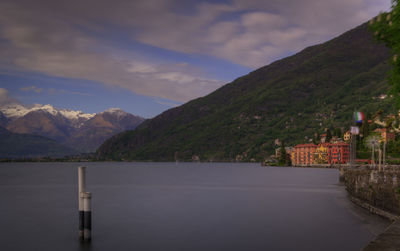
(184, 206)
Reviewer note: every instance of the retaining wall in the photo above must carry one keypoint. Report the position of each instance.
(380, 189)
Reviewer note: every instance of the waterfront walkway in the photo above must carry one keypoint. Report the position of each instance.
(388, 240)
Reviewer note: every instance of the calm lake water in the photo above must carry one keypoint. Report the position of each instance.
(185, 206)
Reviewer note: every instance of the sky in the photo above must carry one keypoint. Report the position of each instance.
(147, 56)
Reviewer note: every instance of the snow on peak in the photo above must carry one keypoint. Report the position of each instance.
(76, 118)
(14, 111)
(117, 111)
(76, 115)
(47, 108)
(18, 110)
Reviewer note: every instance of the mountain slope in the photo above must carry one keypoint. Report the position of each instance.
(101, 127)
(3, 120)
(290, 99)
(42, 123)
(14, 145)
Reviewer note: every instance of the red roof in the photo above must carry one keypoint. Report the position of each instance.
(305, 145)
(323, 144)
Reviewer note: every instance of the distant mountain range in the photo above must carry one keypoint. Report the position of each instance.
(81, 132)
(15, 145)
(290, 99)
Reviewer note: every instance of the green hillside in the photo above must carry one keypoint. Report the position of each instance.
(289, 99)
(15, 145)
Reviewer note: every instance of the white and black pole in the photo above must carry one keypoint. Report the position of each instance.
(81, 189)
(87, 216)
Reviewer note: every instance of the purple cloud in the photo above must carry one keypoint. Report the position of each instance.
(64, 38)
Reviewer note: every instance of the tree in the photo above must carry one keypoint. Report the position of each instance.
(337, 132)
(288, 161)
(386, 27)
(328, 136)
(316, 139)
(282, 159)
(365, 128)
(372, 142)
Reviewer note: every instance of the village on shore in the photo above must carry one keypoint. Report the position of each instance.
(367, 142)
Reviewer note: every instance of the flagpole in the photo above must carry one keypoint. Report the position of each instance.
(358, 117)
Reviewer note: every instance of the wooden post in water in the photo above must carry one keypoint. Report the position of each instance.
(81, 189)
(87, 218)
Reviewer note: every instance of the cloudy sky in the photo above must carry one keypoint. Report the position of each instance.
(146, 56)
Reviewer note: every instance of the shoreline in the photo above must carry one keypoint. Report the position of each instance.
(389, 239)
(374, 210)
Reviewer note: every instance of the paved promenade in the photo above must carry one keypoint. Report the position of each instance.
(388, 240)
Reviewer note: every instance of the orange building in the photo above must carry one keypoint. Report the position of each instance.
(303, 155)
(339, 153)
(324, 153)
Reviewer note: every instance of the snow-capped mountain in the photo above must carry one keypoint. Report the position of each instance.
(15, 111)
(76, 115)
(116, 111)
(101, 127)
(82, 131)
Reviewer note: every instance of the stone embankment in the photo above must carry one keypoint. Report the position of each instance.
(379, 192)
(379, 189)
